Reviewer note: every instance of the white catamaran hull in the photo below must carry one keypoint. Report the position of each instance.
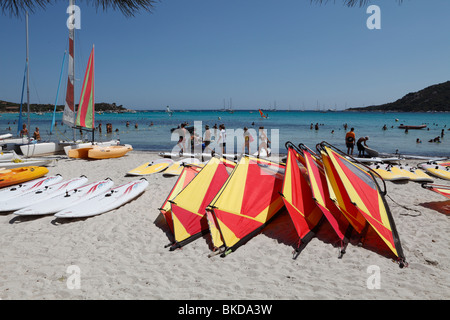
(40, 148)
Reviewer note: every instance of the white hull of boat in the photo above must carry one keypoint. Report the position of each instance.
(40, 148)
(26, 163)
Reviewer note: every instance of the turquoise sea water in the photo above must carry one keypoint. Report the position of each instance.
(281, 126)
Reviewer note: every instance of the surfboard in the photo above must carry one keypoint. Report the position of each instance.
(436, 170)
(151, 167)
(177, 154)
(176, 168)
(69, 198)
(375, 159)
(41, 194)
(35, 184)
(414, 174)
(111, 200)
(384, 171)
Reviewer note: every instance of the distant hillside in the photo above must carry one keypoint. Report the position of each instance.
(433, 98)
(6, 106)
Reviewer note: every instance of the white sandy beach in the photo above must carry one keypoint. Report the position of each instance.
(121, 254)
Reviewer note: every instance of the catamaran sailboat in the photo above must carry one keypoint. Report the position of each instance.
(83, 118)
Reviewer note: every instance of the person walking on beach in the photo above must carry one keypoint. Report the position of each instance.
(361, 147)
(247, 139)
(207, 139)
(350, 138)
(264, 141)
(182, 139)
(222, 138)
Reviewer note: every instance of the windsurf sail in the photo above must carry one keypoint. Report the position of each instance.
(298, 199)
(247, 201)
(86, 109)
(189, 206)
(360, 191)
(441, 189)
(321, 194)
(262, 114)
(187, 174)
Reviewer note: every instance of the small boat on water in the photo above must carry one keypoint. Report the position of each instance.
(402, 126)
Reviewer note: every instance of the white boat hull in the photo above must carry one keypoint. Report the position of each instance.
(40, 148)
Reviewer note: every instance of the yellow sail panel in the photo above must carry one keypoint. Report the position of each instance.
(248, 200)
(181, 232)
(232, 191)
(191, 197)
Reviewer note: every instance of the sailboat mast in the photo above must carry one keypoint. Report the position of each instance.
(69, 108)
(28, 83)
(72, 63)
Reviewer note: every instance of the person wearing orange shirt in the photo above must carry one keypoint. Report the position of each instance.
(350, 138)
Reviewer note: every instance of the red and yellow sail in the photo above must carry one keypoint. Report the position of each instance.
(187, 174)
(358, 189)
(246, 202)
(298, 198)
(86, 108)
(189, 206)
(441, 189)
(321, 194)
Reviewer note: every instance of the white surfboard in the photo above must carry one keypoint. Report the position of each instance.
(41, 194)
(69, 198)
(28, 186)
(105, 202)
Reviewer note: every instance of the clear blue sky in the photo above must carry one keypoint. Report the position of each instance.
(196, 53)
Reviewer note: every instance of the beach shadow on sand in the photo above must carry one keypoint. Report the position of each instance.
(439, 206)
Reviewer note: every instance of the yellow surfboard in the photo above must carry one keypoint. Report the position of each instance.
(413, 173)
(176, 168)
(438, 171)
(385, 173)
(151, 167)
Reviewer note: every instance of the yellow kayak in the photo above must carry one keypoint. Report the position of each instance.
(109, 152)
(22, 174)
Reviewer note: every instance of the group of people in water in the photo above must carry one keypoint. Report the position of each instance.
(220, 135)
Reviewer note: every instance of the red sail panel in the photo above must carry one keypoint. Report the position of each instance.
(188, 173)
(321, 194)
(298, 198)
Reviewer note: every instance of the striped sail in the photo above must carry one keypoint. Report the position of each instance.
(86, 110)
